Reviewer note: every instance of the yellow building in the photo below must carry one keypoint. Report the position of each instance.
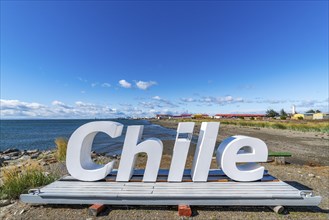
(298, 116)
(319, 116)
(200, 116)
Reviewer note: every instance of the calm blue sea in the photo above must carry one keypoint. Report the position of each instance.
(40, 134)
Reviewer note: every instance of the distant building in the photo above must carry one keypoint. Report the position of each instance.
(320, 116)
(200, 116)
(298, 116)
(186, 115)
(246, 116)
(182, 116)
(163, 116)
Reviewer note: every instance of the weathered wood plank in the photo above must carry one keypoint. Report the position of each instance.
(270, 193)
(163, 174)
(35, 199)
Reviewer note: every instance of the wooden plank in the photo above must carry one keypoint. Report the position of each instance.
(187, 172)
(230, 183)
(59, 184)
(149, 195)
(224, 189)
(213, 178)
(80, 183)
(162, 172)
(208, 196)
(169, 186)
(35, 199)
(219, 193)
(84, 185)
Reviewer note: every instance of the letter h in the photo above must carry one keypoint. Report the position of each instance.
(153, 147)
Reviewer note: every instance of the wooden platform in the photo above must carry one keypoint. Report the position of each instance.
(214, 176)
(219, 190)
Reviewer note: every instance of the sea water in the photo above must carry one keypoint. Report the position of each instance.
(41, 134)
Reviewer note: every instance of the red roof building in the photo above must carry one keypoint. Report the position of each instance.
(239, 115)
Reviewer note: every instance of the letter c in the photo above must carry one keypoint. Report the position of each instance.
(78, 157)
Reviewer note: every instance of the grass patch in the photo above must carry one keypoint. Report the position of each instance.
(61, 146)
(279, 126)
(279, 154)
(297, 125)
(290, 125)
(18, 180)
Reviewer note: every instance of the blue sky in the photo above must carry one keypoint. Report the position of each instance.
(86, 59)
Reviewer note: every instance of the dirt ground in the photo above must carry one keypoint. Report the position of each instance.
(310, 148)
(307, 149)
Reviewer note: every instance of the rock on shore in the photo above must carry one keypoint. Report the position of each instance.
(14, 156)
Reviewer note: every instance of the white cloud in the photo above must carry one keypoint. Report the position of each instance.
(84, 104)
(16, 104)
(57, 103)
(188, 99)
(125, 104)
(82, 80)
(58, 109)
(158, 103)
(107, 85)
(125, 84)
(145, 85)
(150, 105)
(239, 99)
(210, 100)
(228, 98)
(60, 104)
(80, 109)
(16, 108)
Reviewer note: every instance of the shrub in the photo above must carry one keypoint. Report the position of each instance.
(61, 145)
(300, 118)
(271, 113)
(283, 113)
(18, 180)
(279, 126)
(283, 117)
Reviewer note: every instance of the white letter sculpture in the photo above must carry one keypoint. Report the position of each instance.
(153, 147)
(204, 151)
(242, 149)
(180, 151)
(78, 157)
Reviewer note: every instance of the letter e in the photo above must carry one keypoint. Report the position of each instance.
(242, 149)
